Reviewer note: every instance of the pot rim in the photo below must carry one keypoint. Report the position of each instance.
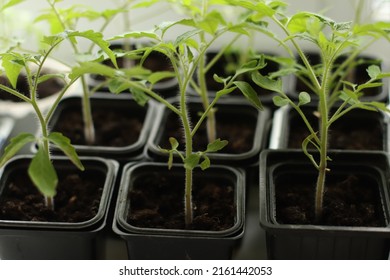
(104, 165)
(121, 208)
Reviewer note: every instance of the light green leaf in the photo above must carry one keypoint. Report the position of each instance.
(43, 174)
(192, 161)
(374, 71)
(92, 68)
(216, 146)
(46, 77)
(159, 76)
(174, 143)
(63, 143)
(304, 98)
(205, 163)
(15, 145)
(139, 96)
(267, 83)
(225, 91)
(13, 65)
(98, 39)
(249, 93)
(280, 101)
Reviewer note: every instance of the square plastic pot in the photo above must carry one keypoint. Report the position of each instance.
(316, 241)
(161, 243)
(56, 239)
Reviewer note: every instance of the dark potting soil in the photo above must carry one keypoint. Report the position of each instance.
(45, 89)
(363, 133)
(238, 130)
(158, 202)
(114, 127)
(349, 200)
(77, 199)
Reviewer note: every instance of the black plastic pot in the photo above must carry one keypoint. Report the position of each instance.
(161, 243)
(155, 62)
(57, 239)
(318, 241)
(358, 75)
(368, 129)
(124, 111)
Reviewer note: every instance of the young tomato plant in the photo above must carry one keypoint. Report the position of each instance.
(185, 54)
(336, 96)
(41, 169)
(62, 19)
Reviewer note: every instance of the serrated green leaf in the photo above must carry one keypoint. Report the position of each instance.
(43, 174)
(15, 145)
(192, 161)
(267, 83)
(12, 66)
(280, 101)
(63, 143)
(250, 94)
(304, 98)
(216, 146)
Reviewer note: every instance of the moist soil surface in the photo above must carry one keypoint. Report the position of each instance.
(237, 129)
(362, 133)
(157, 201)
(45, 89)
(349, 200)
(77, 199)
(114, 127)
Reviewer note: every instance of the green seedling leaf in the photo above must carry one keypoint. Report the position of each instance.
(374, 71)
(192, 161)
(216, 146)
(174, 143)
(309, 140)
(97, 38)
(267, 83)
(46, 77)
(12, 65)
(43, 174)
(225, 91)
(368, 85)
(139, 96)
(63, 143)
(205, 163)
(136, 35)
(15, 145)
(159, 76)
(304, 98)
(219, 79)
(92, 68)
(249, 93)
(280, 101)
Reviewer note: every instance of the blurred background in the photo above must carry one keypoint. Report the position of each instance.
(18, 21)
